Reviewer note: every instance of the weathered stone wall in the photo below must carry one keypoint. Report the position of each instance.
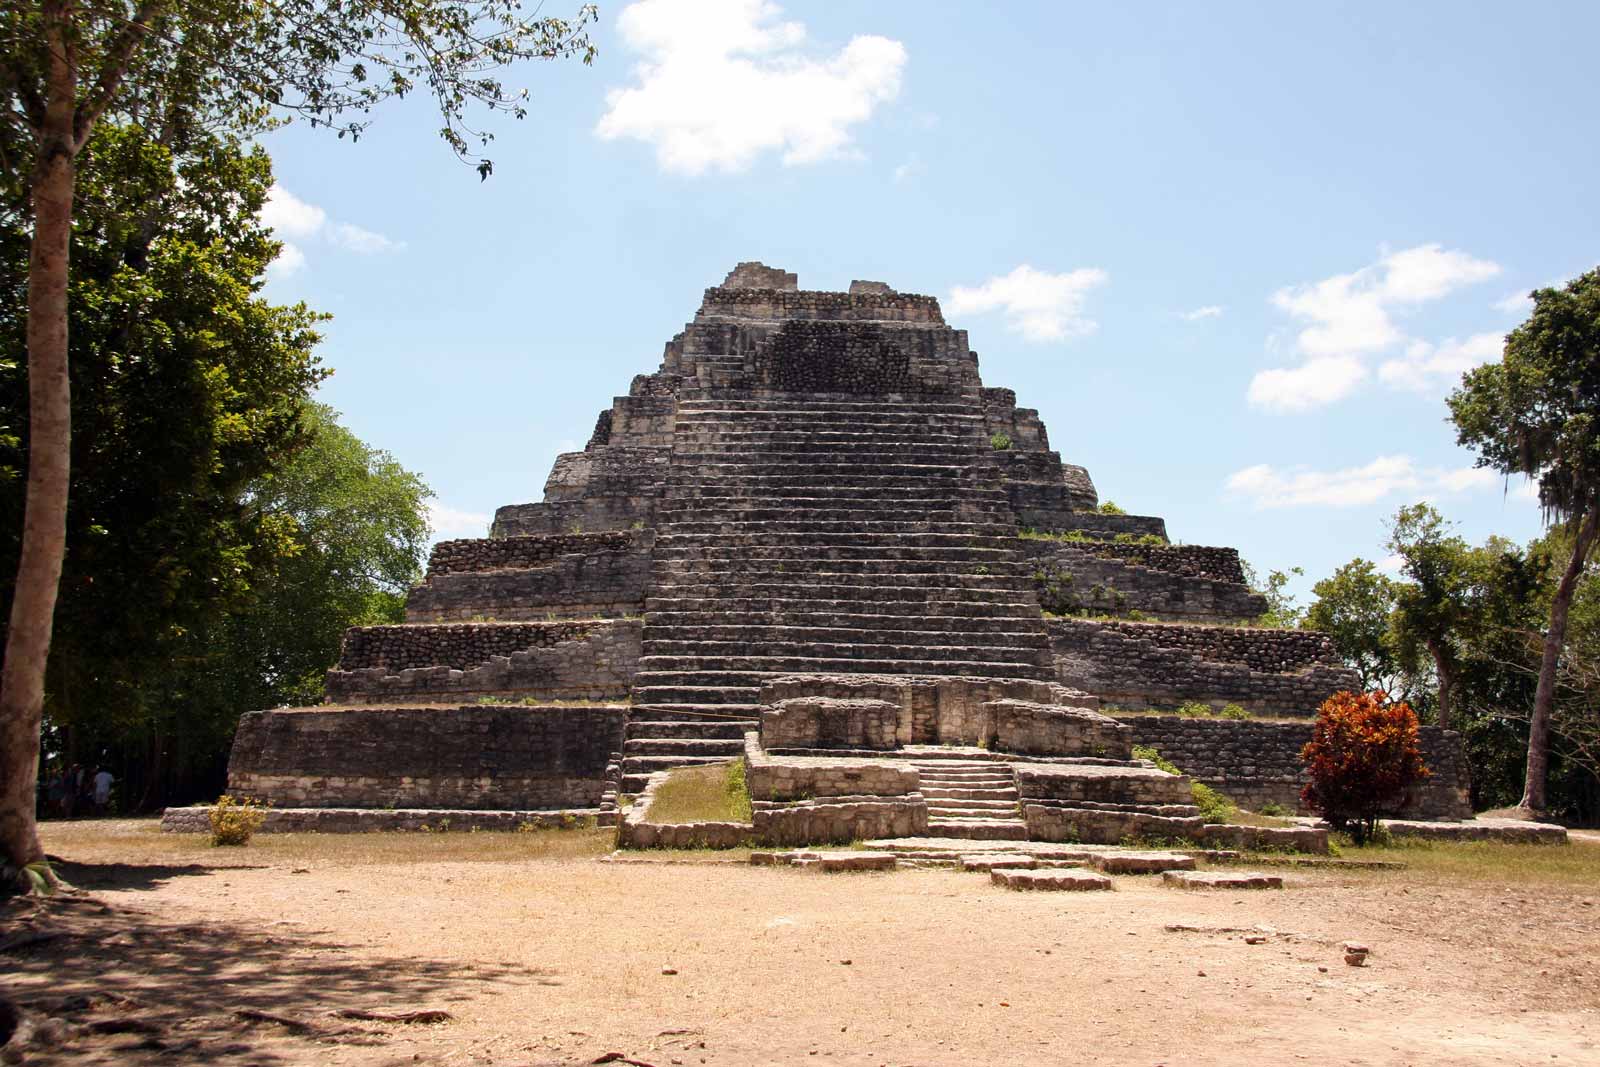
(1259, 649)
(458, 645)
(596, 661)
(1104, 804)
(787, 778)
(812, 304)
(575, 516)
(488, 554)
(754, 275)
(1073, 577)
(1050, 730)
(607, 471)
(1190, 561)
(932, 710)
(1100, 525)
(580, 576)
(475, 756)
(799, 800)
(1130, 668)
(825, 722)
(1257, 763)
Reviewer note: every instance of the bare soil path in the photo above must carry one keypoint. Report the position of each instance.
(543, 953)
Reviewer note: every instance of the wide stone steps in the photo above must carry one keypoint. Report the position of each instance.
(718, 437)
(682, 746)
(893, 560)
(995, 792)
(804, 530)
(953, 806)
(849, 630)
(647, 765)
(726, 625)
(837, 584)
(979, 829)
(676, 697)
(966, 663)
(950, 481)
(941, 514)
(901, 450)
(977, 645)
(743, 716)
(717, 470)
(908, 611)
(642, 729)
(864, 498)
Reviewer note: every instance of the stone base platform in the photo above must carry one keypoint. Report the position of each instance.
(1508, 831)
(1224, 880)
(1070, 881)
(807, 859)
(1143, 862)
(197, 820)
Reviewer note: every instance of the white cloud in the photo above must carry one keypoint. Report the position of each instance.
(294, 220)
(1517, 303)
(448, 522)
(1350, 316)
(1210, 311)
(289, 216)
(1428, 368)
(1312, 384)
(366, 242)
(909, 169)
(723, 81)
(1268, 487)
(1039, 305)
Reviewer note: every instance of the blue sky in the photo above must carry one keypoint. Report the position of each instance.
(1235, 254)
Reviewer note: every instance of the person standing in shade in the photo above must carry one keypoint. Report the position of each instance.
(102, 790)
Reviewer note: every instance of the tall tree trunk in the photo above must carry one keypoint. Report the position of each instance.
(1444, 666)
(1538, 772)
(44, 525)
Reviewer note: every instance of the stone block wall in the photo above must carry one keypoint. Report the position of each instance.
(608, 471)
(520, 578)
(774, 304)
(807, 800)
(1072, 577)
(576, 516)
(827, 722)
(788, 778)
(1099, 525)
(458, 645)
(1133, 665)
(1257, 763)
(596, 661)
(1028, 728)
(754, 275)
(471, 757)
(932, 710)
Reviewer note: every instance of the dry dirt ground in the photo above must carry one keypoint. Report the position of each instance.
(543, 953)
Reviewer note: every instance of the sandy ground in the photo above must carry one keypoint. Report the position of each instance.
(564, 961)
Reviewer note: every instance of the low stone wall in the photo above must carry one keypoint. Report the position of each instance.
(808, 800)
(827, 722)
(1095, 784)
(586, 515)
(458, 645)
(1131, 665)
(597, 662)
(788, 778)
(933, 710)
(575, 585)
(1190, 561)
(813, 304)
(1049, 730)
(1257, 763)
(1272, 651)
(481, 756)
(512, 553)
(840, 820)
(1104, 526)
(197, 820)
(1072, 577)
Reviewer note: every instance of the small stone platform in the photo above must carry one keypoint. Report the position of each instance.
(1068, 880)
(1221, 880)
(831, 862)
(1143, 862)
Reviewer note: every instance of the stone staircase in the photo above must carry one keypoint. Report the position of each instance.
(822, 534)
(974, 799)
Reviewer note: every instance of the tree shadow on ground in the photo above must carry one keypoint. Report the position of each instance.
(99, 984)
(135, 876)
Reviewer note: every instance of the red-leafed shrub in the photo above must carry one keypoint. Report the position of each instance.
(1364, 757)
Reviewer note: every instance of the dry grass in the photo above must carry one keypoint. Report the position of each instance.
(702, 794)
(1575, 865)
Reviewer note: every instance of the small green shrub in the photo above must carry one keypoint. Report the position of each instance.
(1214, 806)
(1233, 711)
(1108, 508)
(1145, 752)
(1274, 810)
(1194, 709)
(235, 820)
(1000, 442)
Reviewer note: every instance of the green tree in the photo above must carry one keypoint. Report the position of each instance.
(1434, 607)
(1283, 610)
(1355, 608)
(169, 69)
(1536, 412)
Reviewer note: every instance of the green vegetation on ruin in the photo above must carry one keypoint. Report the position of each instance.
(717, 793)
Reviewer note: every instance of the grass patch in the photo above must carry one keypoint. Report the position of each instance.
(1576, 865)
(702, 794)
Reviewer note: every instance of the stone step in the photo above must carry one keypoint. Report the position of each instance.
(975, 780)
(955, 516)
(682, 746)
(726, 625)
(829, 494)
(720, 435)
(650, 764)
(687, 728)
(844, 585)
(799, 528)
(972, 631)
(979, 829)
(756, 484)
(909, 664)
(908, 449)
(671, 697)
(997, 648)
(747, 716)
(924, 605)
(946, 792)
(946, 804)
(769, 564)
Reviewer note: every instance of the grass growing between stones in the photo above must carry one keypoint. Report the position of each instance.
(1575, 865)
(703, 794)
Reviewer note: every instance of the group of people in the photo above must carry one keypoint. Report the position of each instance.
(77, 791)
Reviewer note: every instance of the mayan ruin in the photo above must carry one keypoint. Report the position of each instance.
(814, 540)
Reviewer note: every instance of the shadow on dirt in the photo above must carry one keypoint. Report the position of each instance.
(103, 984)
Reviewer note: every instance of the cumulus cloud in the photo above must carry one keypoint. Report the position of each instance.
(1267, 487)
(1348, 317)
(1426, 368)
(722, 81)
(1312, 384)
(294, 222)
(1210, 311)
(1517, 303)
(1037, 304)
(907, 170)
(448, 522)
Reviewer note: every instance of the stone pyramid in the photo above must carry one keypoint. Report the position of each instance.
(814, 497)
